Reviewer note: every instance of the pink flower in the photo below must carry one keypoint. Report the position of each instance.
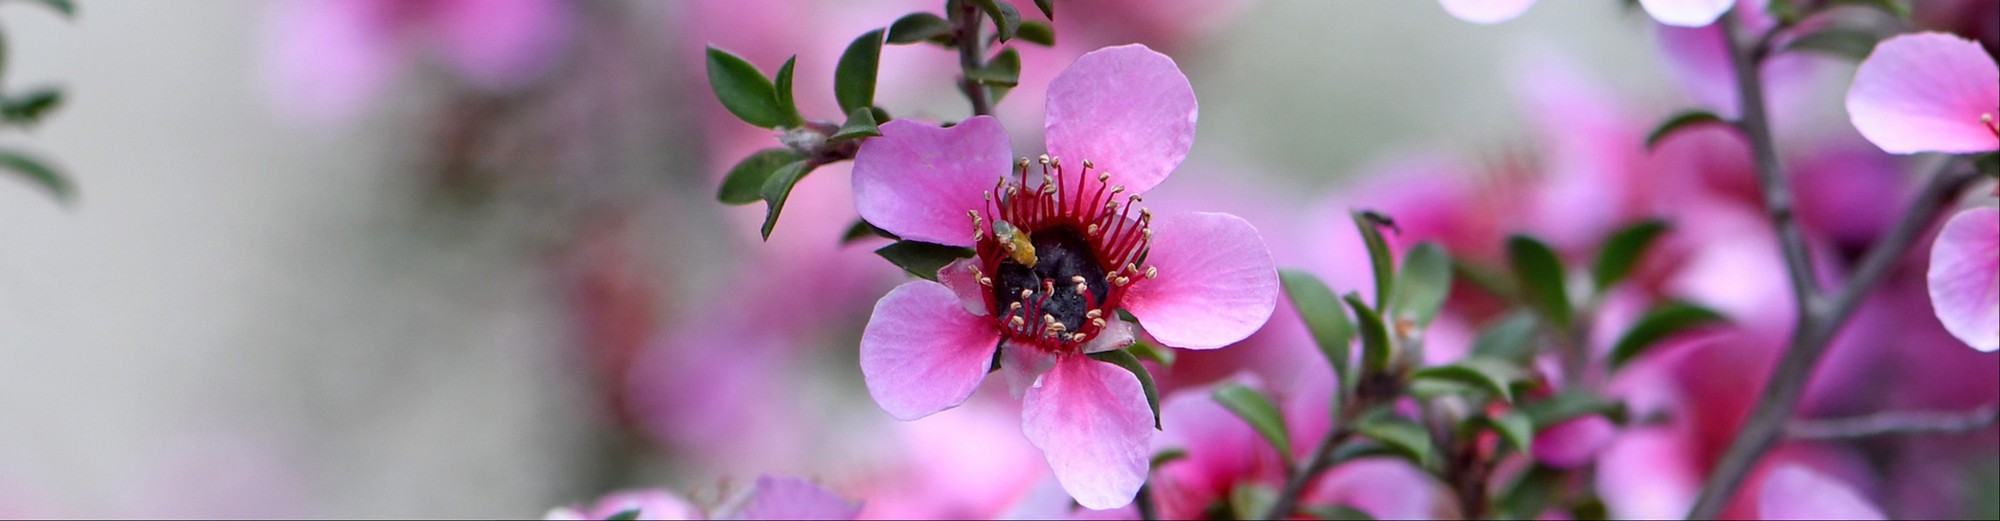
(1965, 277)
(1794, 491)
(1055, 262)
(330, 57)
(1927, 92)
(1684, 13)
(772, 497)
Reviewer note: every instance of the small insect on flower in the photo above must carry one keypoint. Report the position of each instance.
(1061, 247)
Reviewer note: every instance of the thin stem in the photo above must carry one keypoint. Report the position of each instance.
(1893, 423)
(1298, 478)
(970, 48)
(1817, 323)
(1144, 501)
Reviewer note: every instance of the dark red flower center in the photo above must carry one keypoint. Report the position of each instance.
(1059, 255)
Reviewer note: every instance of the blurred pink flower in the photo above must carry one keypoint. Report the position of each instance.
(772, 497)
(1684, 13)
(1965, 277)
(1927, 92)
(1059, 264)
(328, 58)
(970, 462)
(1699, 61)
(1793, 491)
(1223, 452)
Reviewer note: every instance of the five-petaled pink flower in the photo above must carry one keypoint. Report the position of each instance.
(1059, 253)
(1927, 92)
(1965, 278)
(1682, 13)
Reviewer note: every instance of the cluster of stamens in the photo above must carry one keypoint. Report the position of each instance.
(1057, 257)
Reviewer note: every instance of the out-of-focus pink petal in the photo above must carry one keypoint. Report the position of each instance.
(1649, 474)
(1222, 452)
(1965, 277)
(1385, 488)
(502, 44)
(1687, 13)
(922, 353)
(1216, 281)
(1023, 366)
(918, 180)
(1091, 419)
(1127, 109)
(1926, 93)
(1795, 492)
(328, 58)
(962, 277)
(783, 497)
(1486, 11)
(1573, 443)
(651, 504)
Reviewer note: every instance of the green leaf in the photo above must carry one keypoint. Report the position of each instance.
(1358, 448)
(66, 7)
(29, 108)
(1541, 275)
(917, 27)
(860, 124)
(1167, 456)
(1682, 120)
(1493, 376)
(1323, 315)
(1892, 7)
(922, 259)
(1406, 437)
(38, 172)
(862, 230)
(1837, 42)
(1250, 500)
(1569, 405)
(1006, 19)
(1370, 224)
(1337, 513)
(1257, 410)
(745, 183)
(1423, 284)
(1375, 354)
(854, 77)
(1659, 323)
(1150, 351)
(1531, 494)
(1003, 70)
(1621, 253)
(1039, 33)
(1124, 359)
(1513, 427)
(1048, 8)
(1511, 338)
(743, 90)
(782, 87)
(628, 514)
(778, 187)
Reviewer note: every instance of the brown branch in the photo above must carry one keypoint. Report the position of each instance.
(970, 47)
(1893, 423)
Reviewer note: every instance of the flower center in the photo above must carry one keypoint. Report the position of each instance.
(1059, 255)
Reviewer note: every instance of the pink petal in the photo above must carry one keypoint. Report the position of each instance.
(1127, 109)
(922, 353)
(1965, 277)
(961, 276)
(1216, 281)
(1486, 11)
(502, 44)
(778, 497)
(1023, 366)
(918, 181)
(1796, 492)
(1573, 443)
(1091, 420)
(1687, 13)
(1117, 334)
(1926, 93)
(329, 58)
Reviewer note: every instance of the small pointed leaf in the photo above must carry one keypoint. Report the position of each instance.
(1262, 415)
(1406, 437)
(1006, 19)
(854, 77)
(1423, 284)
(1510, 338)
(1323, 315)
(922, 259)
(1623, 251)
(1370, 224)
(1540, 273)
(1375, 348)
(777, 188)
(38, 172)
(1493, 376)
(1124, 359)
(782, 88)
(1683, 120)
(917, 27)
(860, 124)
(743, 90)
(1038, 33)
(745, 182)
(1658, 324)
(1048, 8)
